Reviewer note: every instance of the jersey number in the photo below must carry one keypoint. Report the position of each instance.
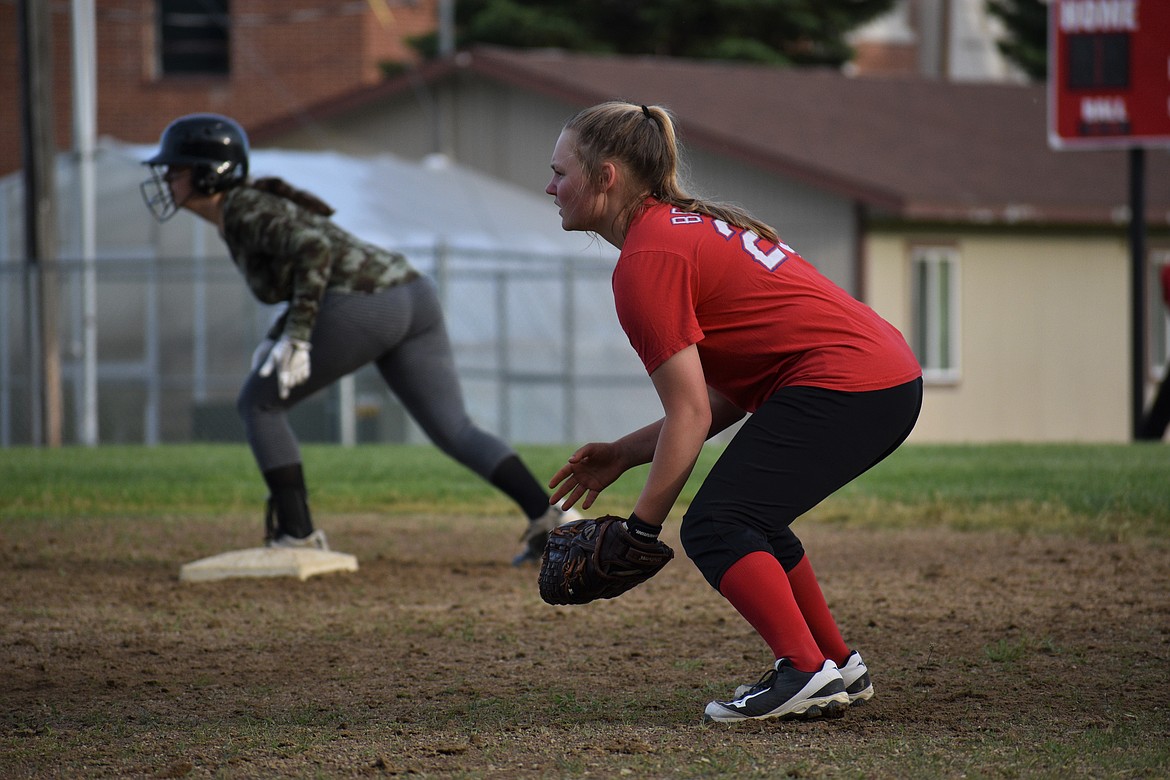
(771, 259)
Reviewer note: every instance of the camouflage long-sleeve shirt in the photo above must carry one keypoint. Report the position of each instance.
(288, 253)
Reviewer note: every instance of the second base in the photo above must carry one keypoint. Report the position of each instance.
(267, 562)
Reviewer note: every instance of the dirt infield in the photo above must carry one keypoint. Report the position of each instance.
(993, 656)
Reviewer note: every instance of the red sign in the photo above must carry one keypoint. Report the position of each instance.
(1108, 73)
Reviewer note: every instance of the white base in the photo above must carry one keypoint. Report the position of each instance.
(267, 562)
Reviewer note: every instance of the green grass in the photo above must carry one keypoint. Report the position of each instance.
(1095, 491)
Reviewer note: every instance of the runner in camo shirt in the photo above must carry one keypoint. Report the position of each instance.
(349, 304)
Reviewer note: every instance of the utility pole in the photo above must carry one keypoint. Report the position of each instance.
(44, 356)
(84, 131)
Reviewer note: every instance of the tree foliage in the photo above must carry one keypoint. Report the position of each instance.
(1026, 43)
(795, 32)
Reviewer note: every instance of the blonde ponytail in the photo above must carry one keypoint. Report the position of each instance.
(644, 140)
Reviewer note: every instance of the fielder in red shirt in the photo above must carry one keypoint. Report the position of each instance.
(728, 321)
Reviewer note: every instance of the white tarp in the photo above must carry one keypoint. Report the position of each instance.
(387, 200)
(394, 202)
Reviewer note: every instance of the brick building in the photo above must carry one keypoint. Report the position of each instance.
(255, 60)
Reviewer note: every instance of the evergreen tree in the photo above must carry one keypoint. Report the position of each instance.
(782, 32)
(1026, 43)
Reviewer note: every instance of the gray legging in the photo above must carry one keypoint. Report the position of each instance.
(401, 330)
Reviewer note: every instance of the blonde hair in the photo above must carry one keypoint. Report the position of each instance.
(643, 139)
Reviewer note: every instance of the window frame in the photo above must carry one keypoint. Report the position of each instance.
(216, 62)
(934, 332)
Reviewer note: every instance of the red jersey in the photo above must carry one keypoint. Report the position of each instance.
(762, 317)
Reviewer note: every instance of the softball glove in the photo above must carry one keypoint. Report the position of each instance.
(592, 559)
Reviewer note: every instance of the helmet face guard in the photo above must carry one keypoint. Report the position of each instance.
(214, 147)
(156, 193)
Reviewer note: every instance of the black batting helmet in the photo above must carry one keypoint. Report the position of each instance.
(214, 147)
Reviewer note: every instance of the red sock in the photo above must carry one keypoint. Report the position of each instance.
(807, 592)
(756, 586)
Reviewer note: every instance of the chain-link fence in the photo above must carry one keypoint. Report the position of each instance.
(537, 345)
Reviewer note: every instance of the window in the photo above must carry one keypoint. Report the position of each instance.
(193, 37)
(935, 334)
(1158, 313)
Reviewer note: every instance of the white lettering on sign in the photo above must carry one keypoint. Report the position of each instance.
(1108, 109)
(1087, 16)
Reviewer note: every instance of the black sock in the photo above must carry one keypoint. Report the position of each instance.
(514, 479)
(286, 487)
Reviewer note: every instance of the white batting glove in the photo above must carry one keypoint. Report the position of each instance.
(290, 359)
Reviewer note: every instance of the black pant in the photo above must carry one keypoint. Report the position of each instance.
(801, 446)
(402, 331)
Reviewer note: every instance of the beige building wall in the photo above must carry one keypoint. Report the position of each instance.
(1043, 335)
